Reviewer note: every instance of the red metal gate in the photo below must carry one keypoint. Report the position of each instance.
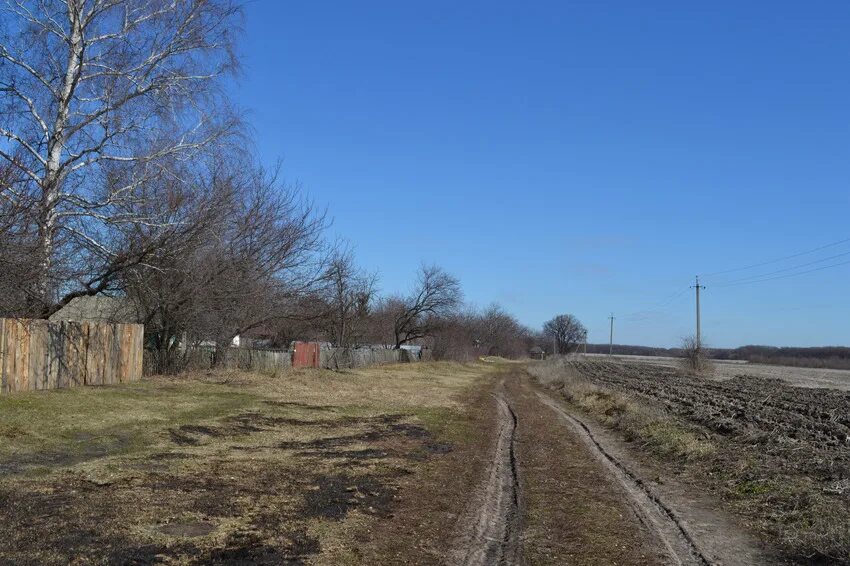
(305, 355)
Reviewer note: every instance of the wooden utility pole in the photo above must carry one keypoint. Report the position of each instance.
(697, 286)
(611, 337)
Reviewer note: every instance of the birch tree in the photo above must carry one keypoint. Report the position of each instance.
(102, 102)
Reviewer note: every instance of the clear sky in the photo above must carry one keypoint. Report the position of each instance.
(581, 157)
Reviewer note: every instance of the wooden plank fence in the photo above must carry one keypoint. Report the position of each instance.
(38, 354)
(204, 358)
(304, 355)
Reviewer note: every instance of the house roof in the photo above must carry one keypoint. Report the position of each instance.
(97, 308)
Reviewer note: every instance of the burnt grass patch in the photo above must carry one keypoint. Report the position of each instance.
(335, 495)
(350, 455)
(247, 423)
(73, 521)
(241, 548)
(192, 435)
(80, 450)
(403, 440)
(300, 405)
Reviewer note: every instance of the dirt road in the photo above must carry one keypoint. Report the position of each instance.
(557, 491)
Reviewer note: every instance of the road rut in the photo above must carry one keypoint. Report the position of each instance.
(682, 549)
(492, 536)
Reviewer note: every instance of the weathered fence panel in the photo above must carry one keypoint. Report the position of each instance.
(348, 358)
(306, 355)
(257, 360)
(37, 354)
(199, 358)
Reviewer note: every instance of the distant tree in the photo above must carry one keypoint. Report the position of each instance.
(436, 295)
(500, 334)
(567, 331)
(349, 292)
(457, 337)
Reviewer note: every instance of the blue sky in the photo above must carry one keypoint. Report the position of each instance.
(582, 157)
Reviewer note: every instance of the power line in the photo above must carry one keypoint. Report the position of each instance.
(777, 260)
(785, 276)
(784, 270)
(774, 275)
(658, 307)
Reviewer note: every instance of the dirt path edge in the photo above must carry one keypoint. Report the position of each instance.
(715, 542)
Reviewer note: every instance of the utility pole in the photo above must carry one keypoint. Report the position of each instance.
(611, 337)
(697, 286)
(555, 345)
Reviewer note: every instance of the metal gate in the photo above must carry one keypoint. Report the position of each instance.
(305, 355)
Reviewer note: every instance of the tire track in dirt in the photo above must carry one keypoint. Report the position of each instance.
(680, 544)
(490, 527)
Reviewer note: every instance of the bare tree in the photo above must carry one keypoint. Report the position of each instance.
(455, 337)
(349, 294)
(470, 333)
(18, 247)
(567, 331)
(101, 99)
(254, 254)
(436, 295)
(695, 356)
(500, 334)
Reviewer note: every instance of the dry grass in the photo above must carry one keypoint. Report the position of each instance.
(797, 512)
(636, 420)
(222, 466)
(131, 418)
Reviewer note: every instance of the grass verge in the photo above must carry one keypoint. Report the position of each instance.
(637, 421)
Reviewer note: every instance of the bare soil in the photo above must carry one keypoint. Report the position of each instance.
(729, 369)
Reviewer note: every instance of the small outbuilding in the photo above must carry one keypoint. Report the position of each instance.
(98, 308)
(536, 353)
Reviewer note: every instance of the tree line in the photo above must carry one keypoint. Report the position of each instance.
(126, 171)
